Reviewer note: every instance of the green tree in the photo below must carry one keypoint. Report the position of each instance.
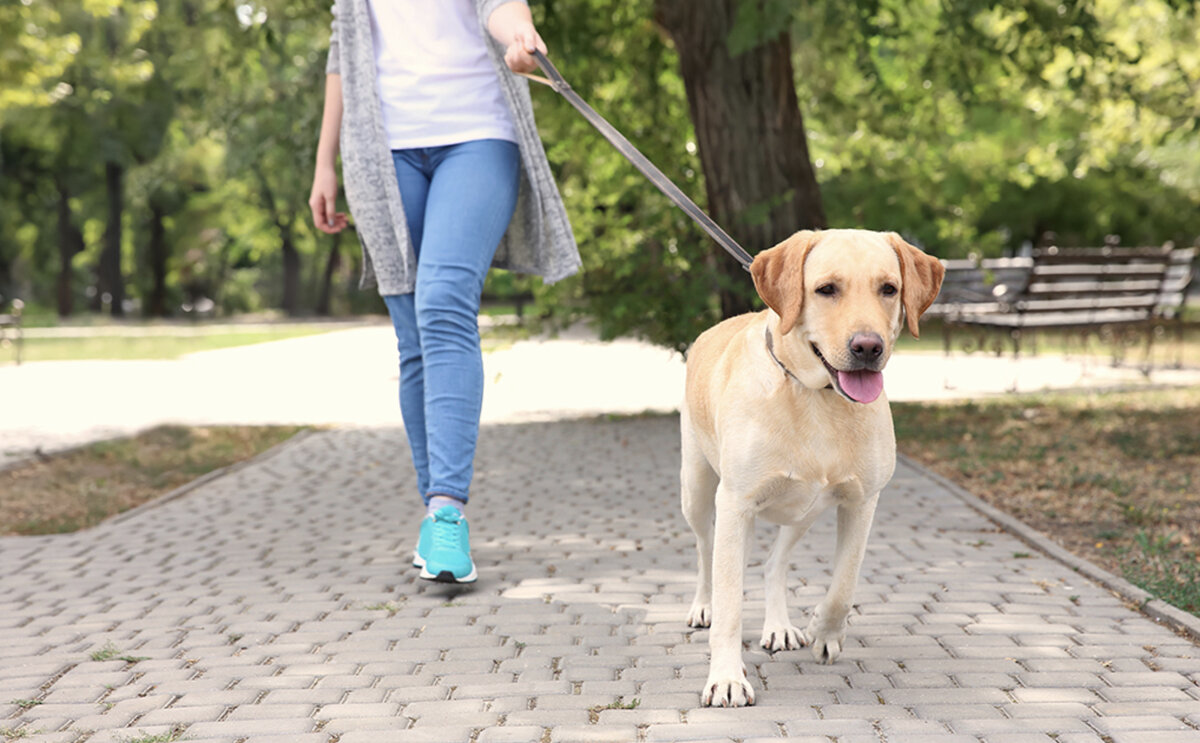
(270, 114)
(647, 268)
(968, 127)
(975, 127)
(749, 128)
(36, 52)
(171, 143)
(110, 110)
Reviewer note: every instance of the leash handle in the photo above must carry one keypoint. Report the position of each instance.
(640, 161)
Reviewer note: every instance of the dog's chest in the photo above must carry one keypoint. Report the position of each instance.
(814, 466)
(831, 441)
(793, 498)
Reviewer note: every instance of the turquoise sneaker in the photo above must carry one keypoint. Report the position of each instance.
(444, 549)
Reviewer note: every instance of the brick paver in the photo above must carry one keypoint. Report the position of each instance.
(277, 603)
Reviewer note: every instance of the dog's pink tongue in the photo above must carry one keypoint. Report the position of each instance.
(862, 386)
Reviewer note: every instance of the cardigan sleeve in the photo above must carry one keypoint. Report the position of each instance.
(333, 65)
(485, 8)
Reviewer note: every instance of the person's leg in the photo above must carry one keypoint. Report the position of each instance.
(412, 168)
(470, 203)
(412, 382)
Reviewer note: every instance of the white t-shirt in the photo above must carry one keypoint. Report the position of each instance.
(436, 82)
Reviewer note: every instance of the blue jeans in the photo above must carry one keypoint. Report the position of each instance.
(458, 201)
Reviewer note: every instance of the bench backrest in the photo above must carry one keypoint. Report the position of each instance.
(970, 281)
(1129, 280)
(1179, 276)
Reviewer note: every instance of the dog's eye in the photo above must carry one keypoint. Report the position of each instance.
(827, 290)
(888, 290)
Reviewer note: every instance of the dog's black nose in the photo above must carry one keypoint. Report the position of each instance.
(866, 347)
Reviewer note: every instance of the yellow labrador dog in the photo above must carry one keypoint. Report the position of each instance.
(784, 417)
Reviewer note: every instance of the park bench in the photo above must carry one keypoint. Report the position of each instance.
(1124, 295)
(10, 328)
(1176, 283)
(974, 286)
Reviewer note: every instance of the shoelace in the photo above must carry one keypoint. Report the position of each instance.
(446, 533)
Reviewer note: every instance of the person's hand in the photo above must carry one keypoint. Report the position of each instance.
(323, 202)
(519, 55)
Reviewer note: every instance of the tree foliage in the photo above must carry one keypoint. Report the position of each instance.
(970, 127)
(976, 127)
(646, 265)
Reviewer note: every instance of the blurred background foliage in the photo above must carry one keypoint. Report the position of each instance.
(156, 157)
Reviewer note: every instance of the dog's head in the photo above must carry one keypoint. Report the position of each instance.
(844, 293)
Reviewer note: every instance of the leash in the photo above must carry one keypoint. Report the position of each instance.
(640, 161)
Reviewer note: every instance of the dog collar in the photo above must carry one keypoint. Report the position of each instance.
(771, 350)
(786, 371)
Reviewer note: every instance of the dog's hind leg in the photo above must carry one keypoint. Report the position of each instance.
(698, 483)
(778, 631)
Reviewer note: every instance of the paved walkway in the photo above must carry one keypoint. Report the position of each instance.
(277, 604)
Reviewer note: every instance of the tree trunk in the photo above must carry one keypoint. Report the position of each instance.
(331, 267)
(6, 277)
(157, 254)
(70, 244)
(758, 178)
(291, 256)
(110, 283)
(291, 275)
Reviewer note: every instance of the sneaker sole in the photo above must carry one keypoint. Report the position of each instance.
(418, 561)
(446, 576)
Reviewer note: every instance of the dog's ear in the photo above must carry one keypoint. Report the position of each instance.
(779, 276)
(920, 280)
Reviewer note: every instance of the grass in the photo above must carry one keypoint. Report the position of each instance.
(391, 607)
(174, 734)
(503, 336)
(1112, 477)
(594, 712)
(148, 341)
(498, 309)
(108, 652)
(155, 346)
(1159, 566)
(1164, 351)
(112, 652)
(81, 488)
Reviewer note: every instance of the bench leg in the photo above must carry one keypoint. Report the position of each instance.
(1178, 322)
(1117, 338)
(1015, 334)
(1148, 358)
(946, 355)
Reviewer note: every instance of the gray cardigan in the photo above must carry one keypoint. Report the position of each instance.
(538, 240)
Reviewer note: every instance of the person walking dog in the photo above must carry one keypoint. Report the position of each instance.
(445, 176)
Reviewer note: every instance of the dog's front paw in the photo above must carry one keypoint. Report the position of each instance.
(824, 640)
(727, 692)
(781, 637)
(700, 615)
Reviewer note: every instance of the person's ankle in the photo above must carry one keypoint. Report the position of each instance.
(439, 501)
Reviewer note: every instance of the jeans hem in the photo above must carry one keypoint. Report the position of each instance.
(451, 492)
